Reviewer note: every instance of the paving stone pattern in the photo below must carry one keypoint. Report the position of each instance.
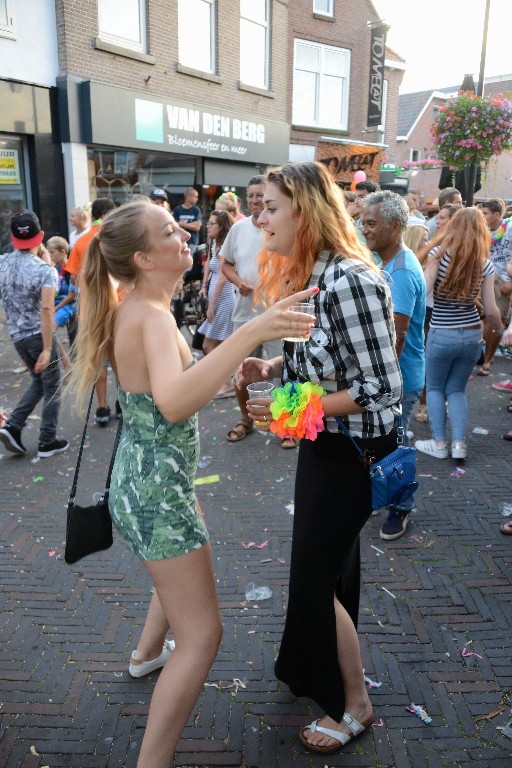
(67, 632)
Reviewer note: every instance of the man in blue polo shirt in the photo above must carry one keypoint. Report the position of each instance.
(383, 222)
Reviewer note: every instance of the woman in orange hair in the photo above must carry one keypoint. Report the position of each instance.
(457, 270)
(351, 354)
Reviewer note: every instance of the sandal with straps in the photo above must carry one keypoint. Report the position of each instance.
(240, 431)
(343, 738)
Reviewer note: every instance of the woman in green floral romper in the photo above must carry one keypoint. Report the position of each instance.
(152, 499)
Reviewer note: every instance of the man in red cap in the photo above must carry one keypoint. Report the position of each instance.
(27, 287)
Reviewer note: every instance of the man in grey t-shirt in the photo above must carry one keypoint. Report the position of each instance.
(27, 288)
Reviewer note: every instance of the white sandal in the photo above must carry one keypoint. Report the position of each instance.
(343, 738)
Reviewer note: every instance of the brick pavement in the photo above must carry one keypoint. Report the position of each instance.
(67, 632)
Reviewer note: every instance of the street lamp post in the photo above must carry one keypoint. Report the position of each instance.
(479, 92)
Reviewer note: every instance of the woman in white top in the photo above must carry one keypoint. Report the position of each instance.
(457, 270)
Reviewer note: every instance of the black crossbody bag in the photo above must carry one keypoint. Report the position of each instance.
(89, 529)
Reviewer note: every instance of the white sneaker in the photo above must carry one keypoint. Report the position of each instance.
(459, 450)
(430, 448)
(140, 668)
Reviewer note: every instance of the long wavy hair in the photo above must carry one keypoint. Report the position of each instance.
(123, 232)
(322, 225)
(225, 222)
(467, 241)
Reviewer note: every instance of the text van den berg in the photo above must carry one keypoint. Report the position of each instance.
(181, 119)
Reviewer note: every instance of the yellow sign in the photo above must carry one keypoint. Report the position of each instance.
(9, 167)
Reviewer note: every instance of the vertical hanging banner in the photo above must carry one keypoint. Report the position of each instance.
(376, 89)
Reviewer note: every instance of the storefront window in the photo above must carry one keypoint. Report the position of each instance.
(13, 194)
(120, 174)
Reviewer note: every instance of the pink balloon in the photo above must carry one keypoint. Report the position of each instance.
(359, 176)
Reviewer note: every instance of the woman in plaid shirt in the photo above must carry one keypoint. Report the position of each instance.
(351, 353)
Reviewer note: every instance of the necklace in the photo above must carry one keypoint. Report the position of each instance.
(498, 233)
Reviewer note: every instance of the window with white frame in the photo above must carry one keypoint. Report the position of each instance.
(321, 76)
(254, 42)
(6, 19)
(325, 7)
(414, 155)
(196, 34)
(124, 26)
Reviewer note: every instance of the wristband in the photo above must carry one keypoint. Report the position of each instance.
(297, 410)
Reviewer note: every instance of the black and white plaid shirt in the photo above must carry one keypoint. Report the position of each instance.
(352, 345)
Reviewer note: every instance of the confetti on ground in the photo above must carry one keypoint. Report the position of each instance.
(415, 538)
(38, 479)
(480, 431)
(237, 683)
(425, 475)
(33, 751)
(458, 472)
(372, 683)
(21, 369)
(268, 560)
(204, 461)
(420, 711)
(249, 544)
(380, 724)
(466, 653)
(52, 553)
(208, 480)
(290, 508)
(492, 714)
(389, 593)
(380, 551)
(281, 560)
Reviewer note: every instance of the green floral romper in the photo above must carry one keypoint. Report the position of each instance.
(152, 498)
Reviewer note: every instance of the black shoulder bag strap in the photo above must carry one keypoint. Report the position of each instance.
(80, 451)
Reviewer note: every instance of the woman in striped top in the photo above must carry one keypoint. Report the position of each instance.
(457, 269)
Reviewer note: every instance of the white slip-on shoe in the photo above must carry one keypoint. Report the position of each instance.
(459, 450)
(430, 448)
(140, 668)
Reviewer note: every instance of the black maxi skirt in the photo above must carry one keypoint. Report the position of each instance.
(332, 504)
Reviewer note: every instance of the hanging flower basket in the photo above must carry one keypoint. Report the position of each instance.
(472, 129)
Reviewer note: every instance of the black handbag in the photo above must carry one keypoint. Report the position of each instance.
(89, 529)
(394, 476)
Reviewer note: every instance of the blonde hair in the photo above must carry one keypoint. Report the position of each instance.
(123, 232)
(58, 242)
(413, 236)
(467, 241)
(323, 224)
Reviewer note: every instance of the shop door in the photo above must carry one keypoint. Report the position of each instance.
(13, 190)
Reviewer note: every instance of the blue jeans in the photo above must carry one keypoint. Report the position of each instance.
(44, 385)
(409, 400)
(451, 356)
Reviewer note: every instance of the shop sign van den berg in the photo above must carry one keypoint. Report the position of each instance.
(207, 124)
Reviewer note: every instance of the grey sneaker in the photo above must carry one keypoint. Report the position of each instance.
(140, 668)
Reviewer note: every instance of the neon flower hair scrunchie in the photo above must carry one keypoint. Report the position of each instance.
(297, 410)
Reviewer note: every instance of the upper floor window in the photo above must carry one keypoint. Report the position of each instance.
(321, 77)
(196, 34)
(6, 19)
(326, 7)
(254, 42)
(123, 23)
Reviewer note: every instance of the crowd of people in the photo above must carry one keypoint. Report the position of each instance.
(404, 308)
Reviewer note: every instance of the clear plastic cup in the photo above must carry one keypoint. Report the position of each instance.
(309, 309)
(256, 390)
